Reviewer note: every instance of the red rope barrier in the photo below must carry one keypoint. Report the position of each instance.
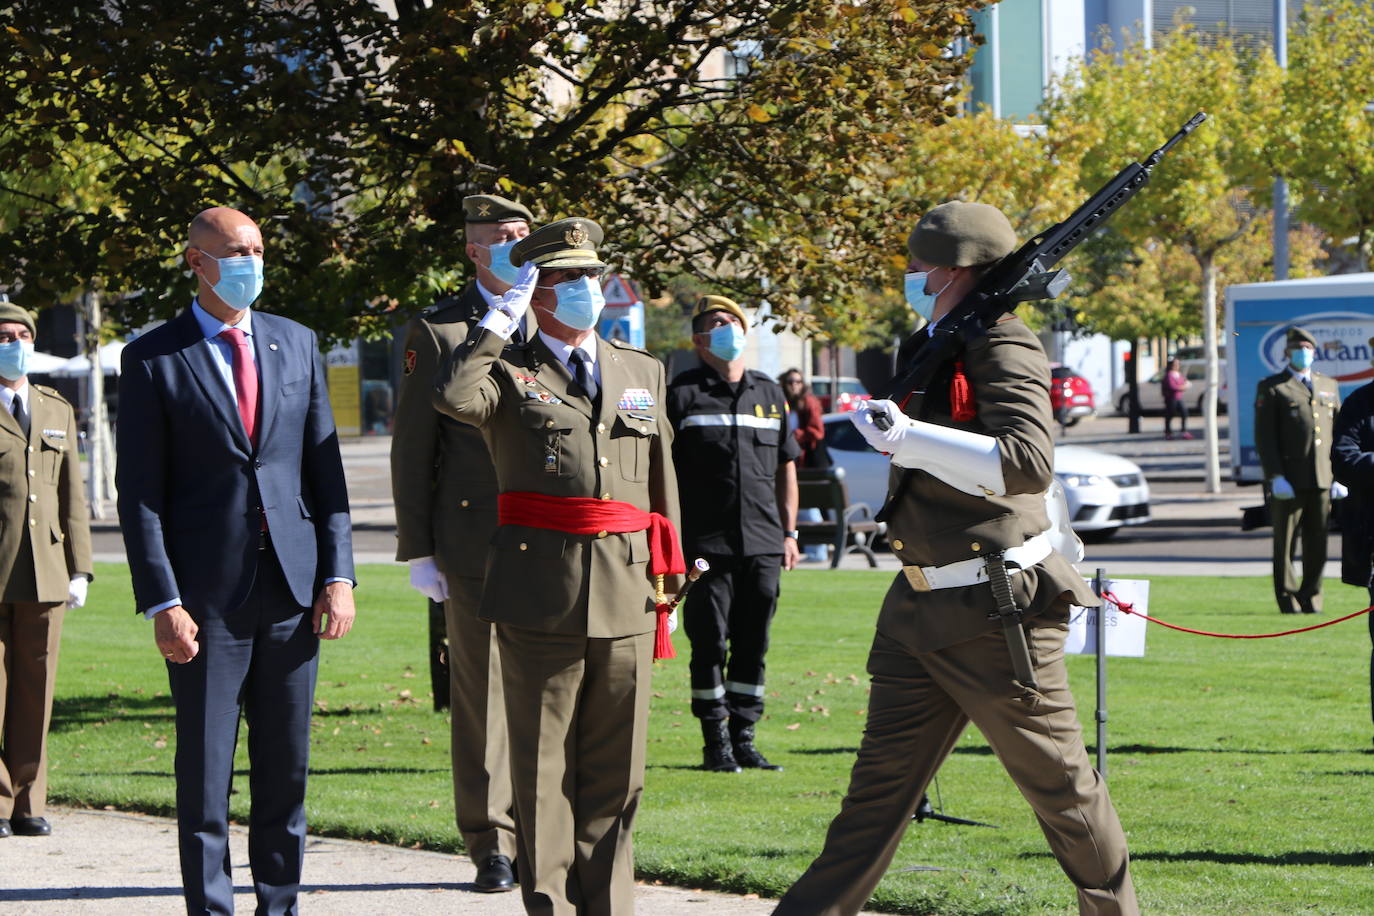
(1130, 609)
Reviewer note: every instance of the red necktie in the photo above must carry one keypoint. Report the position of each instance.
(245, 381)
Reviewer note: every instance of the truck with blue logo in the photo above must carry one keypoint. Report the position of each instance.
(1337, 310)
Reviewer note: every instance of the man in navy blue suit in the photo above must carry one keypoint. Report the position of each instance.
(235, 519)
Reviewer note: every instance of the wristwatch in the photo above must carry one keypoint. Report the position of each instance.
(793, 534)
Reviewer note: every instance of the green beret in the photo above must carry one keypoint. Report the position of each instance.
(712, 303)
(11, 312)
(563, 243)
(959, 234)
(1298, 336)
(488, 208)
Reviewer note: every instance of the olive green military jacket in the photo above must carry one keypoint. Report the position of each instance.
(933, 524)
(41, 494)
(1293, 428)
(442, 479)
(546, 439)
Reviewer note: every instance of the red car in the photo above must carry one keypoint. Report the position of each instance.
(851, 392)
(1071, 397)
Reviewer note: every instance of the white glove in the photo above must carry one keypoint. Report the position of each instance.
(76, 591)
(970, 462)
(672, 621)
(426, 579)
(1281, 488)
(1339, 490)
(509, 308)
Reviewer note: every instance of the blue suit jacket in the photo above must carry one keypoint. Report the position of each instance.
(191, 484)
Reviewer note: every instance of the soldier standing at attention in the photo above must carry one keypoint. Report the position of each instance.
(972, 457)
(1295, 411)
(587, 513)
(45, 568)
(445, 492)
(734, 454)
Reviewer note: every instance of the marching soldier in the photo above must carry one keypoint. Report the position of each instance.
(973, 628)
(45, 568)
(733, 452)
(1295, 411)
(587, 513)
(445, 492)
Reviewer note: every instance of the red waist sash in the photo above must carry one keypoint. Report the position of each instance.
(587, 515)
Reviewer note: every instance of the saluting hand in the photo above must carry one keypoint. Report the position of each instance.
(516, 300)
(336, 600)
(175, 633)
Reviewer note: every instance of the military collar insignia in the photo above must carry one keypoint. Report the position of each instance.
(576, 236)
(408, 364)
(635, 399)
(55, 433)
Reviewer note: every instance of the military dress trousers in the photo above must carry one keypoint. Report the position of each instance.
(730, 440)
(940, 660)
(444, 487)
(1293, 434)
(575, 613)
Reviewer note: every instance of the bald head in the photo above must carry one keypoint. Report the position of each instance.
(216, 234)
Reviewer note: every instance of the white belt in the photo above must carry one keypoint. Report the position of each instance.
(974, 571)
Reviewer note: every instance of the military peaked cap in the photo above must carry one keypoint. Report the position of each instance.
(1298, 336)
(712, 303)
(564, 243)
(9, 311)
(488, 208)
(960, 234)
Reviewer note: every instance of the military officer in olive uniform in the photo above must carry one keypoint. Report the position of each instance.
(45, 565)
(1295, 411)
(444, 487)
(966, 494)
(583, 453)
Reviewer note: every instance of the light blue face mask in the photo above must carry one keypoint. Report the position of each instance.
(727, 342)
(240, 279)
(1301, 358)
(579, 302)
(14, 359)
(921, 302)
(500, 266)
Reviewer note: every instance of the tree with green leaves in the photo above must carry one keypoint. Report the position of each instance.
(1121, 103)
(740, 141)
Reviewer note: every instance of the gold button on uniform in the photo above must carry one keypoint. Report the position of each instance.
(603, 461)
(975, 547)
(31, 472)
(605, 496)
(897, 544)
(548, 424)
(601, 427)
(644, 429)
(463, 503)
(33, 497)
(524, 546)
(601, 534)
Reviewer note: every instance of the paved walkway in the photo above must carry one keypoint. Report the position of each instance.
(104, 863)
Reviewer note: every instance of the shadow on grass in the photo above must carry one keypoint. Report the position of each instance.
(982, 750)
(69, 713)
(375, 771)
(1338, 859)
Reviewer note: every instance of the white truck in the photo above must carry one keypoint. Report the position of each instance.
(1337, 310)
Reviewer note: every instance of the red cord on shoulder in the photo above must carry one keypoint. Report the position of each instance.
(961, 407)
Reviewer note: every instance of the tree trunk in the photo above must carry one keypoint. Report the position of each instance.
(98, 452)
(1211, 450)
(1133, 388)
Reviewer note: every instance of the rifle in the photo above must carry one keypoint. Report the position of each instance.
(1025, 275)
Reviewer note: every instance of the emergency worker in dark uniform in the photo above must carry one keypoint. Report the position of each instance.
(736, 461)
(972, 460)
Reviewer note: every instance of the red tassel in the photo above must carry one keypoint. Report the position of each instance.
(663, 640)
(961, 406)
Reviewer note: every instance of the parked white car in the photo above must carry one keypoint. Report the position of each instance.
(1105, 492)
(1151, 393)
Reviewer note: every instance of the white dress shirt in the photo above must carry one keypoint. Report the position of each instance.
(7, 396)
(564, 353)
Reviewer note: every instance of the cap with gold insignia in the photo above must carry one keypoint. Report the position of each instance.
(1298, 336)
(563, 243)
(961, 234)
(713, 303)
(9, 311)
(488, 208)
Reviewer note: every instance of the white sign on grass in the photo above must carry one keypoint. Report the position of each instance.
(1125, 632)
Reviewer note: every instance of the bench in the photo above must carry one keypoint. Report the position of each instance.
(847, 527)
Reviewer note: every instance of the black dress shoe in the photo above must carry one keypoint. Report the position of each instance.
(495, 875)
(30, 826)
(4, 828)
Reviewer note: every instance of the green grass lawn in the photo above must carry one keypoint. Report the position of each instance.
(1241, 768)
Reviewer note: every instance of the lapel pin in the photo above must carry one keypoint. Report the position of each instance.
(271, 346)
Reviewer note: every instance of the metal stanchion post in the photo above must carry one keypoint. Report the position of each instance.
(1099, 586)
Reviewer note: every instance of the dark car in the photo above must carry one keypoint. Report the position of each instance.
(1071, 396)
